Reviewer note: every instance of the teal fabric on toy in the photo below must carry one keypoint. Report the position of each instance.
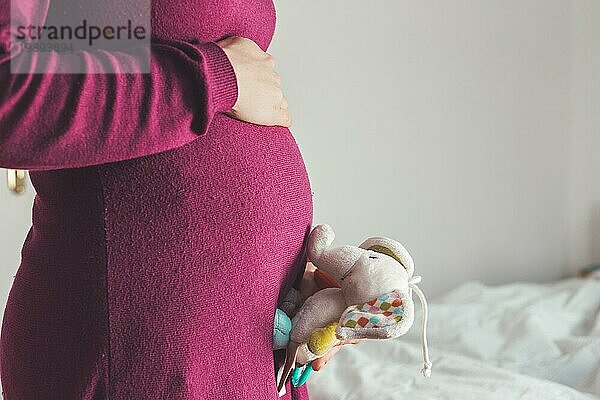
(301, 374)
(281, 330)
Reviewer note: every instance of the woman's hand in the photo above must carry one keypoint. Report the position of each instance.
(320, 362)
(308, 287)
(260, 99)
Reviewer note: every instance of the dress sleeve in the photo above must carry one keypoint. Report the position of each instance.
(55, 121)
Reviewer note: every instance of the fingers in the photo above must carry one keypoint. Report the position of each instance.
(260, 97)
(287, 121)
(351, 341)
(320, 362)
(282, 107)
(282, 113)
(282, 118)
(270, 60)
(284, 104)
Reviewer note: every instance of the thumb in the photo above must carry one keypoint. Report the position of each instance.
(320, 362)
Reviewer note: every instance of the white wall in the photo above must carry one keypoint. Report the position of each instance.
(441, 123)
(584, 204)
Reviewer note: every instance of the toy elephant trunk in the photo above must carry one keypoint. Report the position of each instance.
(336, 263)
(374, 300)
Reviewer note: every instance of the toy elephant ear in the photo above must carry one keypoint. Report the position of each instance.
(387, 316)
(393, 249)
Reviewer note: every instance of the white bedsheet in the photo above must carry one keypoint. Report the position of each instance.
(519, 341)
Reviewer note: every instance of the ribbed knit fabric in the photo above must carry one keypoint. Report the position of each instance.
(164, 232)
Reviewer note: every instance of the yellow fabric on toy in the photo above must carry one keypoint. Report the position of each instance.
(322, 339)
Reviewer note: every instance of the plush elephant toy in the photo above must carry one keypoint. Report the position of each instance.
(373, 300)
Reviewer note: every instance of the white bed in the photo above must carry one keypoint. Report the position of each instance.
(519, 341)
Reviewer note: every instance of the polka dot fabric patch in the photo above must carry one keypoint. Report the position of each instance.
(385, 310)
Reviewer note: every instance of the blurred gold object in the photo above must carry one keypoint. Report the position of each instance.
(588, 271)
(16, 180)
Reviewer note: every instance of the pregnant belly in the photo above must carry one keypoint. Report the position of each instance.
(229, 212)
(249, 180)
(240, 188)
(240, 176)
(202, 243)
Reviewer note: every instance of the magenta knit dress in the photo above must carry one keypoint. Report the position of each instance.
(164, 232)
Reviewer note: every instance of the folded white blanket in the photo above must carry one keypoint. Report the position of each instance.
(519, 341)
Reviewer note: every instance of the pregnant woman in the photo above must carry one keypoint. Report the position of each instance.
(170, 216)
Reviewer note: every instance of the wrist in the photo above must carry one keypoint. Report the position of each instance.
(221, 80)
